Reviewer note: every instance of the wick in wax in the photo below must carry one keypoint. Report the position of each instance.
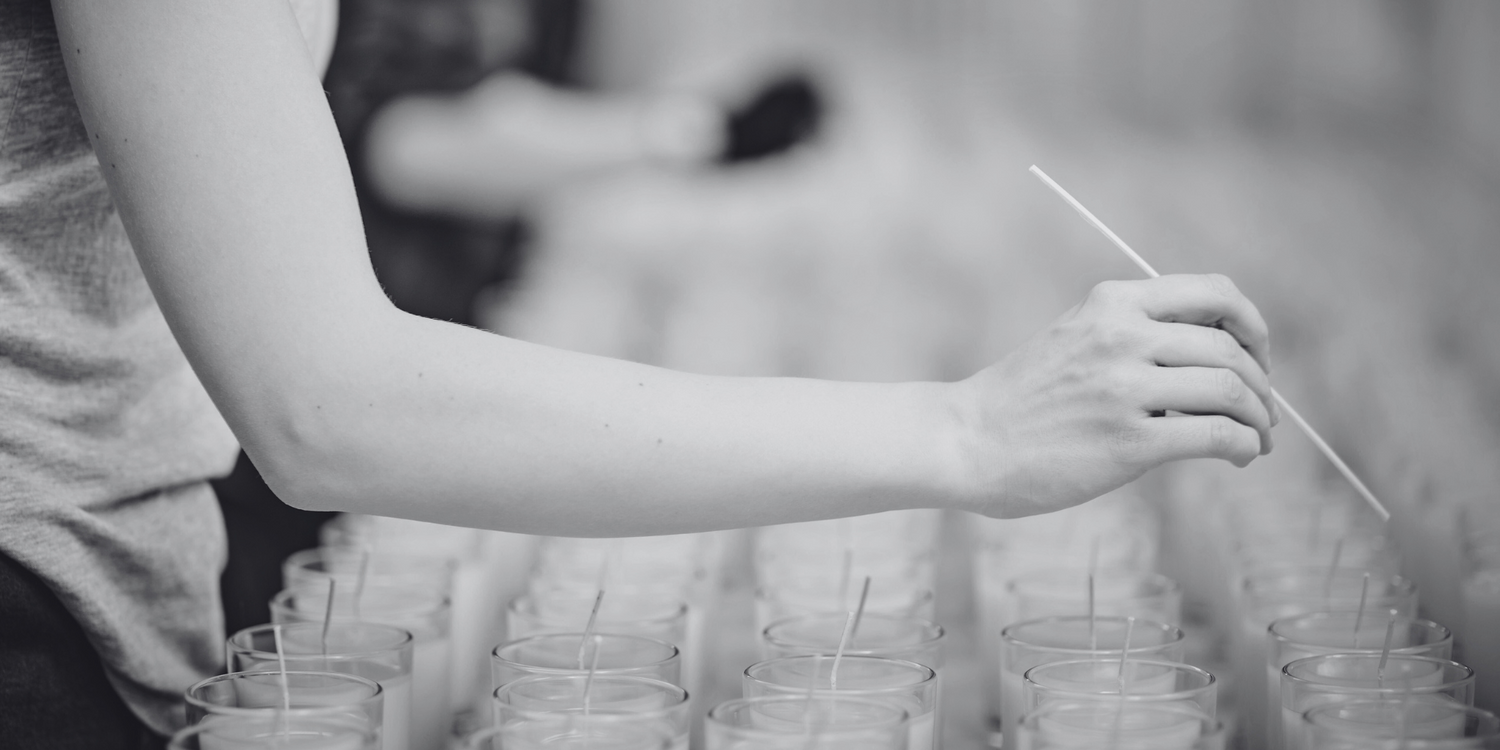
(327, 618)
(1359, 616)
(359, 581)
(286, 690)
(1302, 424)
(1124, 654)
(1385, 652)
(588, 630)
(838, 654)
(588, 681)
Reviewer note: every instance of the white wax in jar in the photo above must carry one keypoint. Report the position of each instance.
(1481, 636)
(473, 618)
(395, 731)
(1107, 727)
(248, 738)
(1293, 736)
(923, 732)
(431, 709)
(1104, 680)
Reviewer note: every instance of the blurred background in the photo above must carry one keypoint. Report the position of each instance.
(839, 189)
(1340, 160)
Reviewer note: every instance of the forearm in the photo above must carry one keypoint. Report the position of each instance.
(459, 426)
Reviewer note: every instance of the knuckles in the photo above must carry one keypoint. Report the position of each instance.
(1230, 386)
(1227, 345)
(1221, 437)
(1221, 285)
(1110, 337)
(1110, 293)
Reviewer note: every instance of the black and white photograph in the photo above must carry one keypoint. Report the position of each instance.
(750, 375)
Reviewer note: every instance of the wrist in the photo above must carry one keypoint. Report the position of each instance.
(961, 457)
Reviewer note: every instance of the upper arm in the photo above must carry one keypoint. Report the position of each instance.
(216, 140)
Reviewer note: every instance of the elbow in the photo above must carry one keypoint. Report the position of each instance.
(299, 456)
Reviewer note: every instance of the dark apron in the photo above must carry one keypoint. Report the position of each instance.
(53, 692)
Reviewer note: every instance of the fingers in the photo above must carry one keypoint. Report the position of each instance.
(1210, 300)
(1203, 437)
(1208, 391)
(1183, 345)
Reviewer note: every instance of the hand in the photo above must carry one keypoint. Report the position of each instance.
(1138, 374)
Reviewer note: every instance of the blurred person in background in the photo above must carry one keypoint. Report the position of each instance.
(203, 133)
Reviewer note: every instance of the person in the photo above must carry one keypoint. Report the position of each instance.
(201, 159)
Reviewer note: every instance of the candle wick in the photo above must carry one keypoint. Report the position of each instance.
(1359, 616)
(859, 612)
(359, 580)
(588, 681)
(1125, 652)
(327, 619)
(838, 654)
(1385, 652)
(286, 691)
(588, 630)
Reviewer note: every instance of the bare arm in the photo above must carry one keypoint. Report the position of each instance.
(221, 153)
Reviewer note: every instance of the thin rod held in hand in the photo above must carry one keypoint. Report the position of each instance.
(1297, 419)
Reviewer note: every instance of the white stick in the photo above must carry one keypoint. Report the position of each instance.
(1301, 423)
(286, 691)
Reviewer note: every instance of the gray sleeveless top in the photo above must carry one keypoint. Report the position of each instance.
(106, 437)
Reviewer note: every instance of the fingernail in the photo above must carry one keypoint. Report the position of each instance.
(1275, 413)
